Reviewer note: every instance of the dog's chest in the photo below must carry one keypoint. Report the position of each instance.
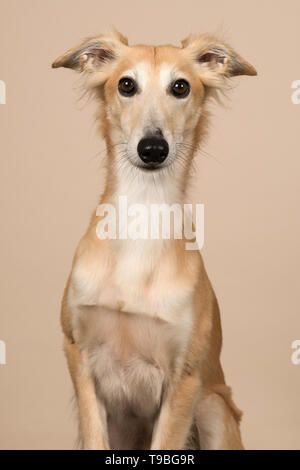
(140, 280)
(134, 322)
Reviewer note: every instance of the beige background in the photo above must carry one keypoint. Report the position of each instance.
(51, 179)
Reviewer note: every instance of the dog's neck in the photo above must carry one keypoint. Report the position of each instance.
(132, 192)
(165, 186)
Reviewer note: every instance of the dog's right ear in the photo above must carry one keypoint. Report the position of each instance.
(93, 53)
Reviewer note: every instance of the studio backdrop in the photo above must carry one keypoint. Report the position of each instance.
(246, 175)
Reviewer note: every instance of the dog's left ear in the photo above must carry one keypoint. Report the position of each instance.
(215, 61)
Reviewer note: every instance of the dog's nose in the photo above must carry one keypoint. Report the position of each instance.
(153, 150)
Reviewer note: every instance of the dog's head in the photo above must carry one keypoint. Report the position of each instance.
(153, 98)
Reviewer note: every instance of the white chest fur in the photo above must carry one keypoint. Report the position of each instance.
(135, 277)
(134, 319)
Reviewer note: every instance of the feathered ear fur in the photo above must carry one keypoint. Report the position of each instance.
(93, 53)
(215, 60)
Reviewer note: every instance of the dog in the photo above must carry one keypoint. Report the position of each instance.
(141, 323)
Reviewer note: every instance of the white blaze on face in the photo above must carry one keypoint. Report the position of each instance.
(167, 75)
(136, 112)
(176, 116)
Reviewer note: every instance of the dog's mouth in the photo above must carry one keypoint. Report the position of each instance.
(150, 168)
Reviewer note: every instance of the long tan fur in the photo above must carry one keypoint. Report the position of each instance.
(140, 318)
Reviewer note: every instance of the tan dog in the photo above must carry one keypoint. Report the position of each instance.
(140, 318)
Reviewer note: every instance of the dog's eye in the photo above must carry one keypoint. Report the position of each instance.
(127, 86)
(180, 88)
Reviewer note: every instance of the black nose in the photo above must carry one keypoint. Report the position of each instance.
(153, 150)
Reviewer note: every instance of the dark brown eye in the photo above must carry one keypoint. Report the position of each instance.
(180, 88)
(127, 86)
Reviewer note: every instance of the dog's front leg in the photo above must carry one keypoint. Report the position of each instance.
(92, 414)
(175, 418)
